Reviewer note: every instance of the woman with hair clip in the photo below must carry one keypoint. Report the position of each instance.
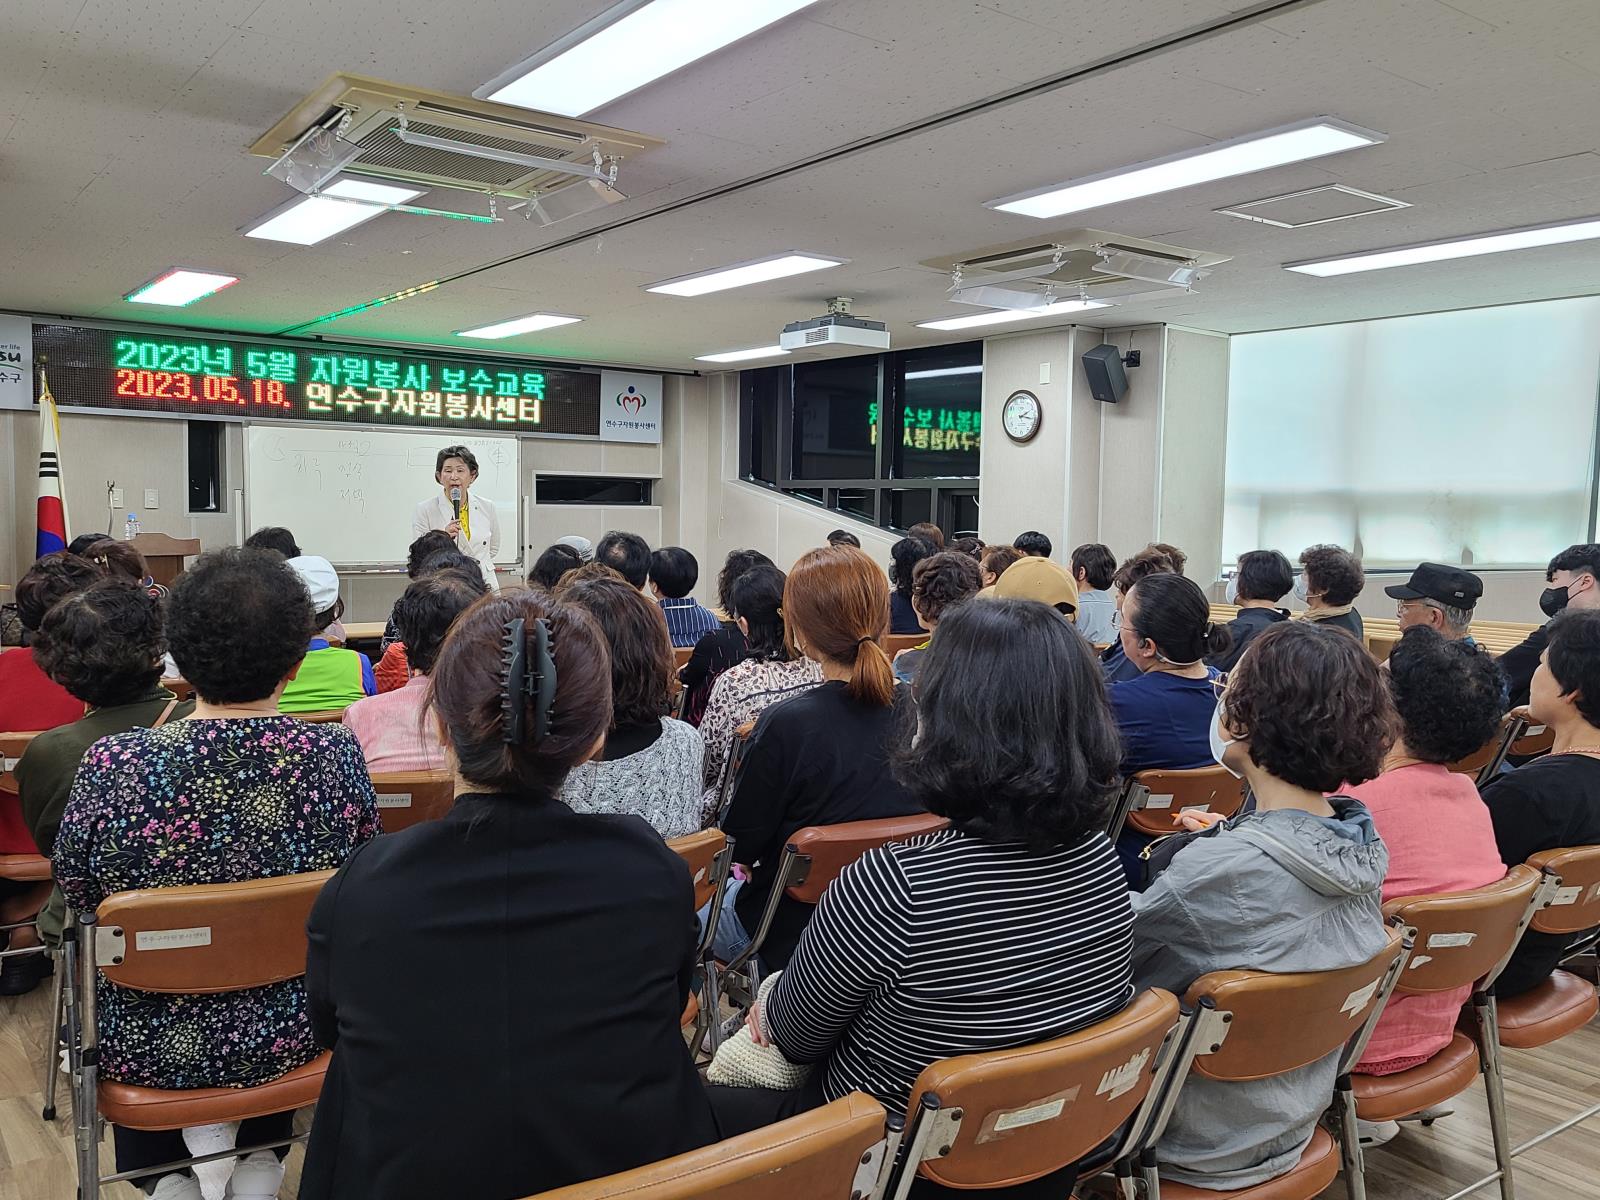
(821, 758)
(547, 955)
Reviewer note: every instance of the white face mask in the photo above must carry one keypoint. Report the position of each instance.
(1220, 743)
(1302, 589)
(1231, 593)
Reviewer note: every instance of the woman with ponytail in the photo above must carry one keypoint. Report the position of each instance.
(820, 758)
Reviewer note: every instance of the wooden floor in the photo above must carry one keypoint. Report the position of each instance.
(1543, 1088)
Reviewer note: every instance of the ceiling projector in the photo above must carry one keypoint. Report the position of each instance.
(836, 327)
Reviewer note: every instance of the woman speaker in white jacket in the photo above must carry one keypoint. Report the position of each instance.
(465, 517)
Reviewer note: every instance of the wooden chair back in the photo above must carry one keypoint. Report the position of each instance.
(1576, 905)
(828, 849)
(326, 716)
(680, 657)
(893, 643)
(1168, 793)
(407, 798)
(1463, 936)
(12, 747)
(705, 854)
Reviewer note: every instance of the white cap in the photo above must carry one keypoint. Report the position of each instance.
(321, 580)
(582, 545)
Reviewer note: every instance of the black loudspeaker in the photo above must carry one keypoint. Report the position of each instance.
(1103, 367)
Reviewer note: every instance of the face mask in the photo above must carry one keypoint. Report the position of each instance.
(1302, 590)
(1552, 600)
(1231, 592)
(1220, 743)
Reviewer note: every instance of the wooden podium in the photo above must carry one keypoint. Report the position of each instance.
(165, 554)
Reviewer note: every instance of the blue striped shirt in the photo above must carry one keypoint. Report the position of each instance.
(688, 620)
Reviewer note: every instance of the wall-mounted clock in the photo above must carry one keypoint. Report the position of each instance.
(1021, 416)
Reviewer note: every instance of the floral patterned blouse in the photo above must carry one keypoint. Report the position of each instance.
(742, 693)
(210, 801)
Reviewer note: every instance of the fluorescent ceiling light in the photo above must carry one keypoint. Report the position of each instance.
(341, 206)
(1221, 160)
(179, 287)
(617, 54)
(742, 355)
(518, 325)
(778, 266)
(1007, 315)
(940, 371)
(1465, 247)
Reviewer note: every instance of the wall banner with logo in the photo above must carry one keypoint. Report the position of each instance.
(630, 407)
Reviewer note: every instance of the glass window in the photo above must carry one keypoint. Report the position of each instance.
(940, 402)
(1417, 438)
(907, 508)
(762, 398)
(858, 502)
(835, 413)
(958, 513)
(205, 466)
(590, 489)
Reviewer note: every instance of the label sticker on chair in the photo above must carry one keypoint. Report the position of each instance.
(394, 799)
(1123, 1079)
(1158, 802)
(9, 764)
(1418, 960)
(1567, 895)
(1533, 731)
(1195, 808)
(172, 939)
(1359, 999)
(700, 875)
(1444, 941)
(997, 1124)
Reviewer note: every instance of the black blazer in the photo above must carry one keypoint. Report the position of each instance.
(502, 991)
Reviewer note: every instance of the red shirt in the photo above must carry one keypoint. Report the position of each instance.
(30, 701)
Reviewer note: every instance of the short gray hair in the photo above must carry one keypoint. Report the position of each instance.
(1456, 620)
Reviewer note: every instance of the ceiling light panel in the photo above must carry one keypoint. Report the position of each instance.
(728, 356)
(528, 324)
(761, 270)
(179, 287)
(1464, 247)
(1006, 316)
(340, 206)
(628, 47)
(1222, 160)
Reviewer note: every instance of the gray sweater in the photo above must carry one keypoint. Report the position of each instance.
(1276, 891)
(661, 783)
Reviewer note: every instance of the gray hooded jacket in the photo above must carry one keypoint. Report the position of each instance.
(1276, 891)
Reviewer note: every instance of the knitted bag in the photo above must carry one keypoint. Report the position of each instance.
(739, 1062)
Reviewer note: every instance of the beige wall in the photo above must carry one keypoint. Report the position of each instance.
(1194, 447)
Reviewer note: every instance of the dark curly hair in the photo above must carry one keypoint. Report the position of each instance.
(972, 547)
(238, 621)
(104, 644)
(906, 554)
(1310, 701)
(945, 580)
(117, 559)
(435, 541)
(1449, 697)
(758, 599)
(641, 650)
(1574, 658)
(1177, 557)
(555, 562)
(1015, 740)
(50, 580)
(735, 565)
(274, 537)
(1333, 573)
(425, 611)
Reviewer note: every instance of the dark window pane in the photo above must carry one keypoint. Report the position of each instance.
(858, 502)
(762, 393)
(909, 507)
(939, 398)
(205, 466)
(812, 494)
(958, 512)
(590, 489)
(835, 408)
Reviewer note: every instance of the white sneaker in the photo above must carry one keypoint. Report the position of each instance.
(257, 1177)
(176, 1187)
(1376, 1133)
(209, 1139)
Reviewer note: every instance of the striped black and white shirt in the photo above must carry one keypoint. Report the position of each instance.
(947, 945)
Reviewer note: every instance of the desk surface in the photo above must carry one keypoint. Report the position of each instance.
(1383, 632)
(363, 631)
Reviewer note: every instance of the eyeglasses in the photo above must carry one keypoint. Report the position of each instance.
(1400, 608)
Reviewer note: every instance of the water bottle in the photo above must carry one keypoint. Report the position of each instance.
(130, 530)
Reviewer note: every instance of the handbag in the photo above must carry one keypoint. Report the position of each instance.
(739, 1062)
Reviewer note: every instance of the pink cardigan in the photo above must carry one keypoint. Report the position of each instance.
(1440, 839)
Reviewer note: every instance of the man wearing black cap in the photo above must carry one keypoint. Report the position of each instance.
(1438, 596)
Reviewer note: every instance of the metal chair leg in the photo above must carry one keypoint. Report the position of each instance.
(52, 1041)
(711, 1004)
(1350, 1156)
(1483, 1007)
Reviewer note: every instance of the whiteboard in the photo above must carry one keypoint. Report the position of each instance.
(347, 494)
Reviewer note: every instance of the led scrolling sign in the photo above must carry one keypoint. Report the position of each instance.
(256, 380)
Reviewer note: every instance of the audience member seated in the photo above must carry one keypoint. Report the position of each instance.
(581, 544)
(329, 677)
(673, 574)
(84, 540)
(29, 699)
(1440, 597)
(769, 674)
(105, 646)
(1263, 578)
(938, 584)
(995, 561)
(972, 547)
(843, 537)
(720, 649)
(553, 564)
(120, 560)
(276, 537)
(922, 950)
(821, 758)
(395, 729)
(1555, 800)
(1177, 557)
(1116, 665)
(393, 668)
(1032, 543)
(1574, 579)
(1040, 579)
(541, 1045)
(627, 554)
(1093, 566)
(1432, 821)
(906, 554)
(928, 532)
(650, 765)
(1330, 579)
(1292, 886)
(235, 792)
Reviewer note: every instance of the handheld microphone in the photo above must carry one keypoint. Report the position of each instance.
(455, 501)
